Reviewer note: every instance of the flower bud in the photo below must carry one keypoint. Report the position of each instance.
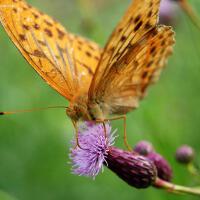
(168, 12)
(136, 170)
(185, 154)
(163, 167)
(143, 148)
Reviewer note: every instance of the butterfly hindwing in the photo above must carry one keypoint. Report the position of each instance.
(128, 84)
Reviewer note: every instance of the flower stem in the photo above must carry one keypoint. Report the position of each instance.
(190, 12)
(176, 188)
(193, 170)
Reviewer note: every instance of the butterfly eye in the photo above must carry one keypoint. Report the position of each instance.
(69, 111)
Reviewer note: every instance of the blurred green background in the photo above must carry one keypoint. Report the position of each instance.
(34, 147)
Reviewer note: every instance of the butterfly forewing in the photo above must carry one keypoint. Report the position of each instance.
(62, 59)
(133, 58)
(87, 55)
(141, 16)
(159, 48)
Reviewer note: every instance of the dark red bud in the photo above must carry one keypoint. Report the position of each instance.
(135, 170)
(185, 154)
(143, 148)
(163, 167)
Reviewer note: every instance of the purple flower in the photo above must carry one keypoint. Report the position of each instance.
(168, 12)
(88, 160)
(97, 150)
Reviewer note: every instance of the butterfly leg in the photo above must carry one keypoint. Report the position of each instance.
(104, 125)
(76, 135)
(190, 12)
(125, 134)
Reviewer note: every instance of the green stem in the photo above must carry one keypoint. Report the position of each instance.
(193, 170)
(190, 13)
(176, 188)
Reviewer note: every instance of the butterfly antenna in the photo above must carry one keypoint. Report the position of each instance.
(190, 12)
(31, 110)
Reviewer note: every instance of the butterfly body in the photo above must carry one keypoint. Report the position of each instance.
(81, 109)
(78, 109)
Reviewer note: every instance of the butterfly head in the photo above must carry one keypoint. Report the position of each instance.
(78, 109)
(74, 113)
(81, 109)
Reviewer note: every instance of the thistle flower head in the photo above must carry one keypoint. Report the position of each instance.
(88, 160)
(185, 154)
(97, 150)
(136, 170)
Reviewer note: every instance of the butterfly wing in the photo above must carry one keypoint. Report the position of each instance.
(141, 16)
(62, 59)
(135, 71)
(133, 58)
(86, 55)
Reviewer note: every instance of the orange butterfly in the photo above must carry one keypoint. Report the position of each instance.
(97, 82)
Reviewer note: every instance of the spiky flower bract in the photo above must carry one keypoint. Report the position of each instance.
(136, 170)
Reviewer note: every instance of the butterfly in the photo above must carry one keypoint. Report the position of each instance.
(100, 84)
